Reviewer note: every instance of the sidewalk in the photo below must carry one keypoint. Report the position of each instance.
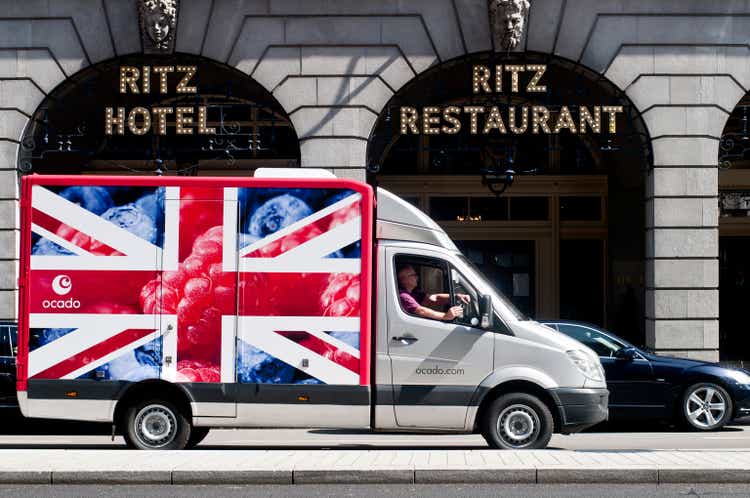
(54, 466)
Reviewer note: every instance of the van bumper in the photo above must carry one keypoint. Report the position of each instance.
(579, 409)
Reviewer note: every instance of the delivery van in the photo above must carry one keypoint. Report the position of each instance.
(170, 305)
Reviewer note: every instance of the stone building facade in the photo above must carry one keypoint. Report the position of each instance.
(333, 66)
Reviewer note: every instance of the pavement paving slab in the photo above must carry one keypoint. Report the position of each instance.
(296, 457)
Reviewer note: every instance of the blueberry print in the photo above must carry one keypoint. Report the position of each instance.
(134, 220)
(94, 199)
(277, 213)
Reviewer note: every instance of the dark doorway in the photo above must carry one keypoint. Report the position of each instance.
(734, 296)
(581, 281)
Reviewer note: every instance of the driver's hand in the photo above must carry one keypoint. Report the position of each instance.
(453, 312)
(464, 298)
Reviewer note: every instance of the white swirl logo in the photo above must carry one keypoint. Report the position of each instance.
(61, 285)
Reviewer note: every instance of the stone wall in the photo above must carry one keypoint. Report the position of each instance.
(333, 65)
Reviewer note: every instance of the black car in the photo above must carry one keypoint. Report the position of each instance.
(8, 348)
(700, 395)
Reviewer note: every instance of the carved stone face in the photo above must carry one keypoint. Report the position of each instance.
(158, 21)
(509, 19)
(158, 24)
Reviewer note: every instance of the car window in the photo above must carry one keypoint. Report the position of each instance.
(602, 344)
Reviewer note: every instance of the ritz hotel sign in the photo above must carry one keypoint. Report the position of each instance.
(435, 120)
(140, 120)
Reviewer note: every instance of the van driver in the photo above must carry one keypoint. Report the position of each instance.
(416, 302)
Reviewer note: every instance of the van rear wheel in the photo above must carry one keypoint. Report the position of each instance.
(156, 425)
(517, 421)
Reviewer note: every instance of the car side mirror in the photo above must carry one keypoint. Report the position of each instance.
(627, 354)
(485, 311)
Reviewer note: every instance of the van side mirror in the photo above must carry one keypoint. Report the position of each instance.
(627, 354)
(485, 311)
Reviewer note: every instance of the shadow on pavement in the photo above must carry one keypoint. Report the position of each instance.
(14, 424)
(652, 426)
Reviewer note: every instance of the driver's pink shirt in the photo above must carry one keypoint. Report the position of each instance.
(410, 301)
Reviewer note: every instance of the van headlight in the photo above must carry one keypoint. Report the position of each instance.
(588, 366)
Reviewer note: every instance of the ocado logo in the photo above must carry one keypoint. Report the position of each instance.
(62, 285)
(61, 304)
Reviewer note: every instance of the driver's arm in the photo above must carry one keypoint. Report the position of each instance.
(425, 312)
(442, 299)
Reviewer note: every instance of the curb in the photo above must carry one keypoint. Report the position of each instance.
(529, 475)
(597, 476)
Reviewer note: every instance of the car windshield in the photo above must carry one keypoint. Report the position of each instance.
(518, 315)
(603, 344)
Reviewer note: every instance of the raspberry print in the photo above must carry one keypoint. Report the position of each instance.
(341, 297)
(199, 292)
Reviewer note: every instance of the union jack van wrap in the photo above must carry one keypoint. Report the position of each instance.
(198, 282)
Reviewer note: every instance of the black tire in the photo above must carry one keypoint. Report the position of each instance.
(705, 406)
(517, 421)
(147, 420)
(197, 434)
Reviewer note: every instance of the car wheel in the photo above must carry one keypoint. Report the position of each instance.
(706, 407)
(156, 425)
(517, 421)
(197, 434)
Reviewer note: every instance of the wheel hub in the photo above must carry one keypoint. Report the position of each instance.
(518, 425)
(705, 407)
(156, 426)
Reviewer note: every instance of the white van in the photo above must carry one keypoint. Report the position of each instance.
(169, 305)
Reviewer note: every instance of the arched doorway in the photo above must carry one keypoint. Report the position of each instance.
(734, 234)
(229, 123)
(547, 241)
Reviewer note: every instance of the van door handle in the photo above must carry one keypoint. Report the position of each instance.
(405, 339)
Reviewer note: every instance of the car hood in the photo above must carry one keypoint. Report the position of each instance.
(683, 363)
(689, 364)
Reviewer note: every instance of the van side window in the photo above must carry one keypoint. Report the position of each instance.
(433, 289)
(423, 287)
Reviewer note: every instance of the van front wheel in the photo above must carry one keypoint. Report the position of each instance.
(517, 421)
(156, 425)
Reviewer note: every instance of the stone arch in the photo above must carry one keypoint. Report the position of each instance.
(623, 159)
(249, 127)
(587, 76)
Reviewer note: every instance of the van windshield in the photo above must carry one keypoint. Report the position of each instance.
(504, 301)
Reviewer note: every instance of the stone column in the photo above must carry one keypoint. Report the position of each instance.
(682, 248)
(685, 95)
